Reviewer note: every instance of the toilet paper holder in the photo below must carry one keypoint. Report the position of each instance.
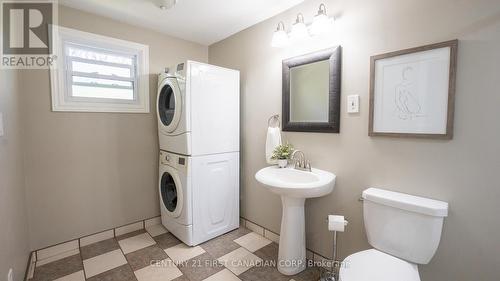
(346, 222)
(333, 273)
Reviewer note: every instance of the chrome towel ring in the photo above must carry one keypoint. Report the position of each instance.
(274, 119)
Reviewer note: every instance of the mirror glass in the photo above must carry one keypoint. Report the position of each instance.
(309, 92)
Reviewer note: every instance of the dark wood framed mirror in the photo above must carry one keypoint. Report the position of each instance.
(311, 92)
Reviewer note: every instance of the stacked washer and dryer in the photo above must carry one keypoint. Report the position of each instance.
(198, 111)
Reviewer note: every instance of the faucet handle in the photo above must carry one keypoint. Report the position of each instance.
(308, 166)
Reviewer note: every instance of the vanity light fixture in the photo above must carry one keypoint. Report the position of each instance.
(299, 29)
(321, 23)
(280, 37)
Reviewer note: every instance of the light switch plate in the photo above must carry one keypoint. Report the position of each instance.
(1, 125)
(353, 104)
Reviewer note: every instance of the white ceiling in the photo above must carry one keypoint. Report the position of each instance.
(201, 21)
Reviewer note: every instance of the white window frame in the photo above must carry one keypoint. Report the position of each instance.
(61, 73)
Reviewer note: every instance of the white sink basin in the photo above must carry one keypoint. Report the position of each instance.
(296, 183)
(294, 186)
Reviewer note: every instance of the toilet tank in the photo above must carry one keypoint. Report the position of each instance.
(406, 226)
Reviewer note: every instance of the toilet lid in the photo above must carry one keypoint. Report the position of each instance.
(374, 265)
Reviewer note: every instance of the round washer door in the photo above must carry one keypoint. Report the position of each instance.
(169, 104)
(171, 192)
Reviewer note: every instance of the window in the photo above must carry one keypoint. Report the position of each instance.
(99, 74)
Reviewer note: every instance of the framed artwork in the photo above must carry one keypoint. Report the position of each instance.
(412, 92)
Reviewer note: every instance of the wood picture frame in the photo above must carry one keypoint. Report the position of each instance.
(333, 55)
(408, 116)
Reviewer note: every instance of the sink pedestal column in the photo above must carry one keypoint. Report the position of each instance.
(292, 248)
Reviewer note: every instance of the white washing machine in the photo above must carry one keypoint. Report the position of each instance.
(175, 194)
(198, 109)
(199, 195)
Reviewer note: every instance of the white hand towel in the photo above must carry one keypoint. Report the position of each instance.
(272, 141)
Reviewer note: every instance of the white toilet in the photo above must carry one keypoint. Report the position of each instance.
(404, 231)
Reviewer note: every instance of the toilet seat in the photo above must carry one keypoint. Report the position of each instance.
(374, 265)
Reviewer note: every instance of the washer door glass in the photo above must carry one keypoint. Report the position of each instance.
(168, 192)
(166, 104)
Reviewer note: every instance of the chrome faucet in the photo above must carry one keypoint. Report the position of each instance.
(301, 163)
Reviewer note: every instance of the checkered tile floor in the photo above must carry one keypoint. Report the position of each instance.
(154, 255)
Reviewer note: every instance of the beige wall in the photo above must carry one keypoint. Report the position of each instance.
(87, 172)
(462, 171)
(14, 248)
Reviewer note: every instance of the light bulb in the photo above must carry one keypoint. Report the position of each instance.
(280, 38)
(321, 23)
(167, 4)
(299, 29)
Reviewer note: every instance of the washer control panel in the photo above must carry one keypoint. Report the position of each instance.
(174, 160)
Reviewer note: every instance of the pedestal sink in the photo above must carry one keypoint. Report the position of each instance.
(294, 186)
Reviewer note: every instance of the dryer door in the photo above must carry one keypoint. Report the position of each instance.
(169, 104)
(171, 192)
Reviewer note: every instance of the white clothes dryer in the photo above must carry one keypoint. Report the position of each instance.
(172, 110)
(198, 109)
